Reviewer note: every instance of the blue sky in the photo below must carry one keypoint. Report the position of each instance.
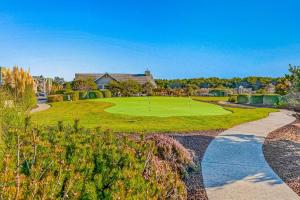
(173, 38)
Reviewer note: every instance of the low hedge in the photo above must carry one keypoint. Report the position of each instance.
(243, 98)
(74, 96)
(218, 92)
(233, 98)
(271, 99)
(107, 93)
(83, 95)
(256, 99)
(55, 98)
(95, 94)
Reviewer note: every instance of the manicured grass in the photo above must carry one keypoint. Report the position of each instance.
(92, 114)
(162, 106)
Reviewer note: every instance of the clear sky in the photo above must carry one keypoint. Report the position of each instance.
(173, 38)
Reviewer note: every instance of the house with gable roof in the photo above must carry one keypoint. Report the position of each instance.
(103, 79)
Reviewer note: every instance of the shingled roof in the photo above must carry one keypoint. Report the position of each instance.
(140, 78)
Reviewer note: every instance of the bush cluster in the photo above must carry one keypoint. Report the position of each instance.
(76, 163)
(233, 98)
(71, 96)
(259, 99)
(78, 95)
(107, 93)
(55, 98)
(243, 99)
(95, 94)
(218, 92)
(271, 99)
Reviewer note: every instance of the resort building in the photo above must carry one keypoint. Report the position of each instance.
(103, 79)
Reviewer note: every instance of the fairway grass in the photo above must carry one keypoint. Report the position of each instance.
(162, 106)
(92, 114)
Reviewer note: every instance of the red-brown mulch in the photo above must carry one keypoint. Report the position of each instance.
(198, 143)
(282, 151)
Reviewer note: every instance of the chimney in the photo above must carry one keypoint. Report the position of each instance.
(147, 72)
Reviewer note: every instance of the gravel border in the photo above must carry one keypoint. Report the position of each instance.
(198, 143)
(282, 152)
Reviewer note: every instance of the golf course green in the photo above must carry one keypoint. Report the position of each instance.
(162, 106)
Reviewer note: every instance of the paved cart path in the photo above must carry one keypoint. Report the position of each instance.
(40, 107)
(234, 167)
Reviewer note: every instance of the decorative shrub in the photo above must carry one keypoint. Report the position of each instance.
(74, 96)
(170, 150)
(271, 99)
(88, 164)
(55, 98)
(95, 94)
(257, 99)
(107, 93)
(243, 99)
(233, 98)
(83, 95)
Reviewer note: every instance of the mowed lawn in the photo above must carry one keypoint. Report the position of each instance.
(162, 106)
(92, 114)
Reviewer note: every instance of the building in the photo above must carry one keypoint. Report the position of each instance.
(102, 80)
(42, 84)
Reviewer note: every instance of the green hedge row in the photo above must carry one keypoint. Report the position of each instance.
(55, 98)
(218, 92)
(271, 99)
(79, 95)
(259, 99)
(233, 98)
(243, 99)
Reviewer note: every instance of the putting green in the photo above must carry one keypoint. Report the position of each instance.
(162, 106)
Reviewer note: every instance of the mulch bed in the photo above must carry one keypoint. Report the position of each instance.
(198, 143)
(282, 151)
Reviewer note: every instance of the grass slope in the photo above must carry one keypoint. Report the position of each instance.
(162, 107)
(92, 114)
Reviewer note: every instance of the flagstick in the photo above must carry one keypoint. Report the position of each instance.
(190, 102)
(149, 104)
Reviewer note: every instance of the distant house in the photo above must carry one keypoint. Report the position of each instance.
(42, 84)
(103, 79)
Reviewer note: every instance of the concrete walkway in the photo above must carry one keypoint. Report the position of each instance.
(234, 167)
(41, 107)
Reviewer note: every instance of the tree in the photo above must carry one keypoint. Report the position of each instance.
(283, 86)
(115, 87)
(68, 86)
(59, 80)
(147, 88)
(130, 88)
(191, 89)
(294, 76)
(84, 84)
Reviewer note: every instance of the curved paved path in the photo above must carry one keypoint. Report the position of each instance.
(234, 167)
(41, 107)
